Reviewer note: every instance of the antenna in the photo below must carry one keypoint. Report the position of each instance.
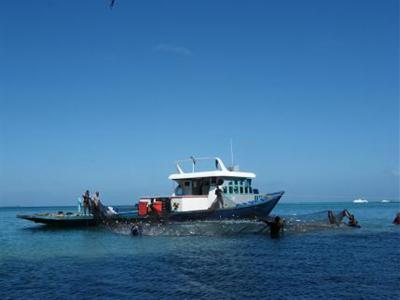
(231, 153)
(193, 162)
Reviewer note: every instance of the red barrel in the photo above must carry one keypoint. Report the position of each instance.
(157, 206)
(143, 208)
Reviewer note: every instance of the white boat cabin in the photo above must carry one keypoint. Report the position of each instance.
(197, 190)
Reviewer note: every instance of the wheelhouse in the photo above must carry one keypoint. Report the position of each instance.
(202, 186)
(197, 189)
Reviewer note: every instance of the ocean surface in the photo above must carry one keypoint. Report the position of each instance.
(209, 260)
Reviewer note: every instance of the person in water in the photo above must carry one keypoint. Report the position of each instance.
(332, 218)
(275, 227)
(352, 221)
(396, 220)
(136, 229)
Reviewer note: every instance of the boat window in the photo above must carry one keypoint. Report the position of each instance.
(179, 190)
(213, 180)
(187, 183)
(236, 182)
(230, 182)
(225, 189)
(241, 190)
(246, 190)
(250, 190)
(236, 190)
(230, 190)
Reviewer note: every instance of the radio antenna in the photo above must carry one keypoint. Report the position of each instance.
(231, 153)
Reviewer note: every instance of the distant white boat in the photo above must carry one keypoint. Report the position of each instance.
(385, 201)
(360, 200)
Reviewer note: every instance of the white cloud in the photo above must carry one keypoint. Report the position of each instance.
(173, 49)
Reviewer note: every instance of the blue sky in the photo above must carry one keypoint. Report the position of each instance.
(108, 99)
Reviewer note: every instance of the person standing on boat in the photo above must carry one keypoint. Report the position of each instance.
(219, 193)
(96, 204)
(86, 202)
(220, 199)
(80, 205)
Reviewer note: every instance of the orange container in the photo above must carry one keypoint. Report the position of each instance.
(142, 208)
(157, 206)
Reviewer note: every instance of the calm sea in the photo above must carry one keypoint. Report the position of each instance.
(206, 260)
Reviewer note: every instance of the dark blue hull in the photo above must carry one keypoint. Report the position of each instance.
(259, 209)
(76, 221)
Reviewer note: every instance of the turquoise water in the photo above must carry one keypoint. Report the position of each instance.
(206, 260)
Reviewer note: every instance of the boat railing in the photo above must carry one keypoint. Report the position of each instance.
(219, 164)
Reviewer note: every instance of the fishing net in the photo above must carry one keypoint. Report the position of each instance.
(205, 228)
(322, 220)
(317, 221)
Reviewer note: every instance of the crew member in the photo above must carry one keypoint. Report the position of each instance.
(86, 202)
(96, 204)
(220, 199)
(152, 208)
(80, 205)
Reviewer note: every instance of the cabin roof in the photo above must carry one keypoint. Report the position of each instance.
(216, 173)
(220, 171)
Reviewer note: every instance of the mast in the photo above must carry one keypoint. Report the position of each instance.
(232, 154)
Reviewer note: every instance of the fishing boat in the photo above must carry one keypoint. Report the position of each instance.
(360, 200)
(218, 194)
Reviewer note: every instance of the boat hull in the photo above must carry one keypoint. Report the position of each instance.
(76, 221)
(258, 209)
